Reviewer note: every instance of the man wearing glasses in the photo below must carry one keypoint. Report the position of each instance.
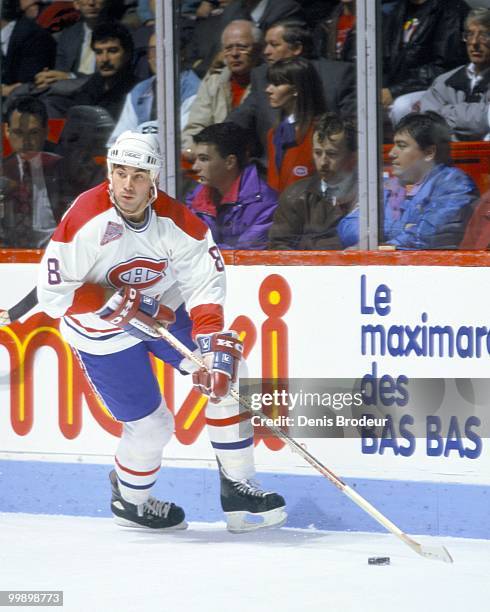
(462, 96)
(223, 90)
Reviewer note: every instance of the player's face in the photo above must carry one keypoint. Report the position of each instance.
(209, 165)
(132, 188)
(239, 49)
(110, 57)
(409, 162)
(332, 158)
(276, 47)
(26, 134)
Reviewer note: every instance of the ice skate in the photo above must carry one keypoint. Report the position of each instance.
(153, 514)
(248, 508)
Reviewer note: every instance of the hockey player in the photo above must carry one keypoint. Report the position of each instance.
(161, 264)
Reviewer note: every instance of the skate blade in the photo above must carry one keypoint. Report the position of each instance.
(122, 522)
(239, 522)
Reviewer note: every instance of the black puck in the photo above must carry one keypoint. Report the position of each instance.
(379, 561)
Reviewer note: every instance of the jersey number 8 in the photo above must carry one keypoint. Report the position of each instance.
(218, 261)
(54, 276)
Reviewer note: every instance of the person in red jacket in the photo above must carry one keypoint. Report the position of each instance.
(295, 89)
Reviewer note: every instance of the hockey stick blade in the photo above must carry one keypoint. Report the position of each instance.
(436, 553)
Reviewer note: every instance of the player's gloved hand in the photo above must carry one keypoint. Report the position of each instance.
(136, 313)
(221, 353)
(4, 318)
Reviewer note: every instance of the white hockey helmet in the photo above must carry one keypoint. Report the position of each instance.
(137, 150)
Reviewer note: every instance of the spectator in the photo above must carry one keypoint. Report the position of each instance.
(140, 104)
(82, 146)
(427, 203)
(31, 191)
(309, 210)
(295, 90)
(232, 200)
(113, 79)
(335, 38)
(220, 92)
(462, 96)
(74, 55)
(26, 47)
(422, 39)
(263, 13)
(285, 40)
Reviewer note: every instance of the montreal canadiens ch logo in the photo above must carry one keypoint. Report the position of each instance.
(300, 171)
(139, 272)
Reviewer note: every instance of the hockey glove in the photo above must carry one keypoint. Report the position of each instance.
(221, 353)
(136, 313)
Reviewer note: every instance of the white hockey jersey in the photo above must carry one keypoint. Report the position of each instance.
(172, 257)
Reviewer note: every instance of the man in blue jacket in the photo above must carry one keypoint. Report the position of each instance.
(427, 202)
(232, 199)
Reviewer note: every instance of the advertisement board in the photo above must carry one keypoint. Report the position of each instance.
(314, 322)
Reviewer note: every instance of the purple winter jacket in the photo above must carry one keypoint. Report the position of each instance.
(240, 224)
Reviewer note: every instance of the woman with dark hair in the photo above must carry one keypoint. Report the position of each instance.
(427, 201)
(295, 90)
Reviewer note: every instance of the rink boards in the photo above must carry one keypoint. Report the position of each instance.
(314, 321)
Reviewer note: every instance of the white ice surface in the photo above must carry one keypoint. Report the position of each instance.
(105, 568)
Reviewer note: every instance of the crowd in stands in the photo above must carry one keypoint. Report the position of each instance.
(267, 123)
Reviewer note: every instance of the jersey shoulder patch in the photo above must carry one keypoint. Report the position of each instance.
(184, 219)
(88, 205)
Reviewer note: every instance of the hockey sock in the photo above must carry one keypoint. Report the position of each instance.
(139, 454)
(231, 434)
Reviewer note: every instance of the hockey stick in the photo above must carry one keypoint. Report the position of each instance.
(439, 553)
